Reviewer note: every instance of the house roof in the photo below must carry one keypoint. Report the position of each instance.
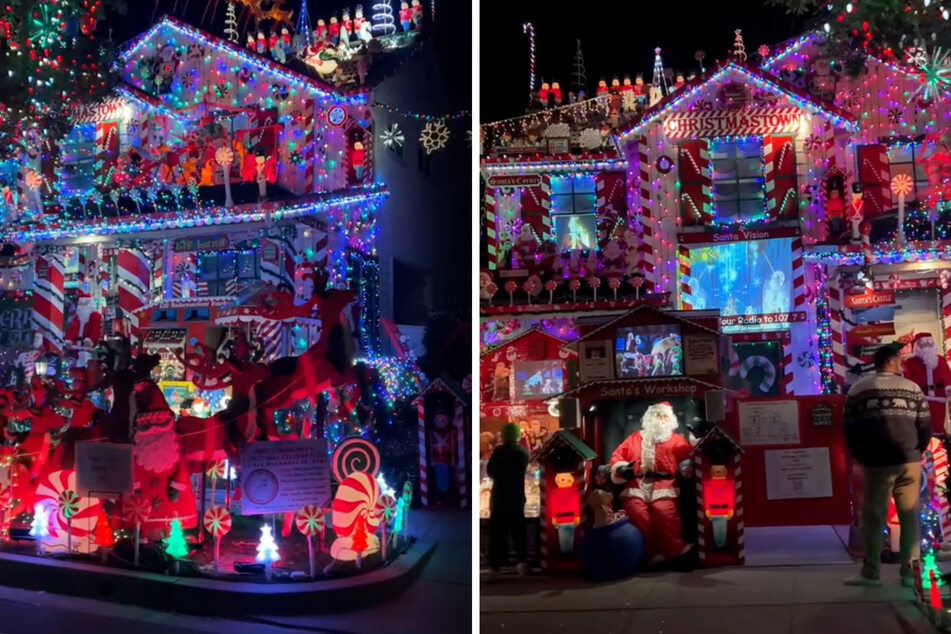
(564, 438)
(262, 63)
(716, 433)
(660, 379)
(652, 308)
(444, 384)
(533, 329)
(833, 113)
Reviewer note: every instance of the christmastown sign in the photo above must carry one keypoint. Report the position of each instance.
(718, 123)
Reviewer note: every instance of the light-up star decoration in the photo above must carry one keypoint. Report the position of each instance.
(45, 26)
(936, 73)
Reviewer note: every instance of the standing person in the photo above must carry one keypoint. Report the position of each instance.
(507, 467)
(887, 426)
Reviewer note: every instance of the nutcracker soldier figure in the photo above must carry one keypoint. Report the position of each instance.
(566, 510)
(719, 500)
(835, 207)
(856, 211)
(442, 450)
(647, 463)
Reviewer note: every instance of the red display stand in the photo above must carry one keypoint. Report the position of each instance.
(819, 426)
(566, 474)
(717, 461)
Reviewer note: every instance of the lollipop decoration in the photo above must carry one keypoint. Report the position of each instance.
(901, 186)
(217, 521)
(355, 455)
(510, 288)
(355, 518)
(637, 282)
(574, 285)
(595, 283)
(386, 507)
(550, 286)
(138, 512)
(224, 156)
(215, 472)
(310, 521)
(69, 506)
(614, 283)
(530, 286)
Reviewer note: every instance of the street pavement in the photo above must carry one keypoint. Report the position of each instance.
(808, 599)
(436, 602)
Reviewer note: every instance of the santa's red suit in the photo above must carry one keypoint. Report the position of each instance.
(932, 381)
(650, 498)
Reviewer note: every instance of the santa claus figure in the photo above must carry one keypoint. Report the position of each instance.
(647, 464)
(442, 450)
(526, 245)
(161, 477)
(927, 367)
(87, 323)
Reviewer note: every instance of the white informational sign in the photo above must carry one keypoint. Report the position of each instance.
(103, 469)
(596, 361)
(769, 422)
(798, 473)
(700, 355)
(283, 476)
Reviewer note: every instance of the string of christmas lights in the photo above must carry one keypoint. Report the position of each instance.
(451, 116)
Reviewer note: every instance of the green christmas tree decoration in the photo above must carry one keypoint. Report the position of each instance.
(175, 546)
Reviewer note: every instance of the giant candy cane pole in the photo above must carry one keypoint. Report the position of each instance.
(529, 29)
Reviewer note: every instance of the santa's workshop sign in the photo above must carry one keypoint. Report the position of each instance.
(716, 123)
(637, 389)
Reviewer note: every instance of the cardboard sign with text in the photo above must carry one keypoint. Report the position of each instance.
(278, 477)
(870, 299)
(103, 468)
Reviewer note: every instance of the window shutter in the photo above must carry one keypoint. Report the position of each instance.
(874, 175)
(780, 157)
(695, 185)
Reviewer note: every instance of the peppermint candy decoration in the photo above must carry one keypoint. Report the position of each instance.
(217, 521)
(386, 506)
(68, 503)
(217, 470)
(310, 520)
(703, 105)
(354, 455)
(894, 115)
(894, 281)
(138, 510)
(813, 143)
(901, 185)
(806, 359)
(356, 497)
(944, 279)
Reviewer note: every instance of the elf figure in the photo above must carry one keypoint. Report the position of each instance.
(250, 42)
(261, 45)
(719, 500)
(615, 86)
(602, 88)
(346, 27)
(565, 510)
(320, 32)
(358, 20)
(543, 94)
(406, 17)
(357, 158)
(334, 31)
(417, 15)
(442, 450)
(556, 92)
(856, 211)
(286, 38)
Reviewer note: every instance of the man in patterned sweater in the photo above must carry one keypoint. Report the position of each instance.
(887, 426)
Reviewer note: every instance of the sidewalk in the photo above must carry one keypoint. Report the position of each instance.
(763, 597)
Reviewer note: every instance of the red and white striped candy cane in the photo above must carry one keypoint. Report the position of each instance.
(648, 240)
(423, 462)
(134, 272)
(945, 309)
(491, 230)
(799, 304)
(270, 333)
(734, 361)
(48, 296)
(683, 259)
(835, 325)
(759, 361)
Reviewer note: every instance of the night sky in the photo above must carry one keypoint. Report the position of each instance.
(616, 39)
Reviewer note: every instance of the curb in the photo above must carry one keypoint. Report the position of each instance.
(211, 597)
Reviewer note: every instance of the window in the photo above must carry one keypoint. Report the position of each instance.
(77, 172)
(197, 314)
(903, 158)
(737, 175)
(573, 202)
(162, 315)
(221, 271)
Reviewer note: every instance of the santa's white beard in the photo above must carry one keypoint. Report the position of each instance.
(929, 356)
(656, 429)
(156, 448)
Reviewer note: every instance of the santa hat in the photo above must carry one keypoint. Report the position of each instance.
(922, 335)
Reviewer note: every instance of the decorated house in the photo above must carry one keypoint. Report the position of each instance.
(750, 190)
(211, 169)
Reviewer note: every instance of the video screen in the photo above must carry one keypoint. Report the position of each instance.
(576, 231)
(649, 351)
(746, 278)
(538, 379)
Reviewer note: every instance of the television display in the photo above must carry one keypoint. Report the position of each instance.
(537, 379)
(576, 231)
(745, 278)
(648, 351)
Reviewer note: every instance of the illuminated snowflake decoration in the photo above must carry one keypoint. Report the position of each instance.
(936, 73)
(45, 26)
(434, 136)
(392, 137)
